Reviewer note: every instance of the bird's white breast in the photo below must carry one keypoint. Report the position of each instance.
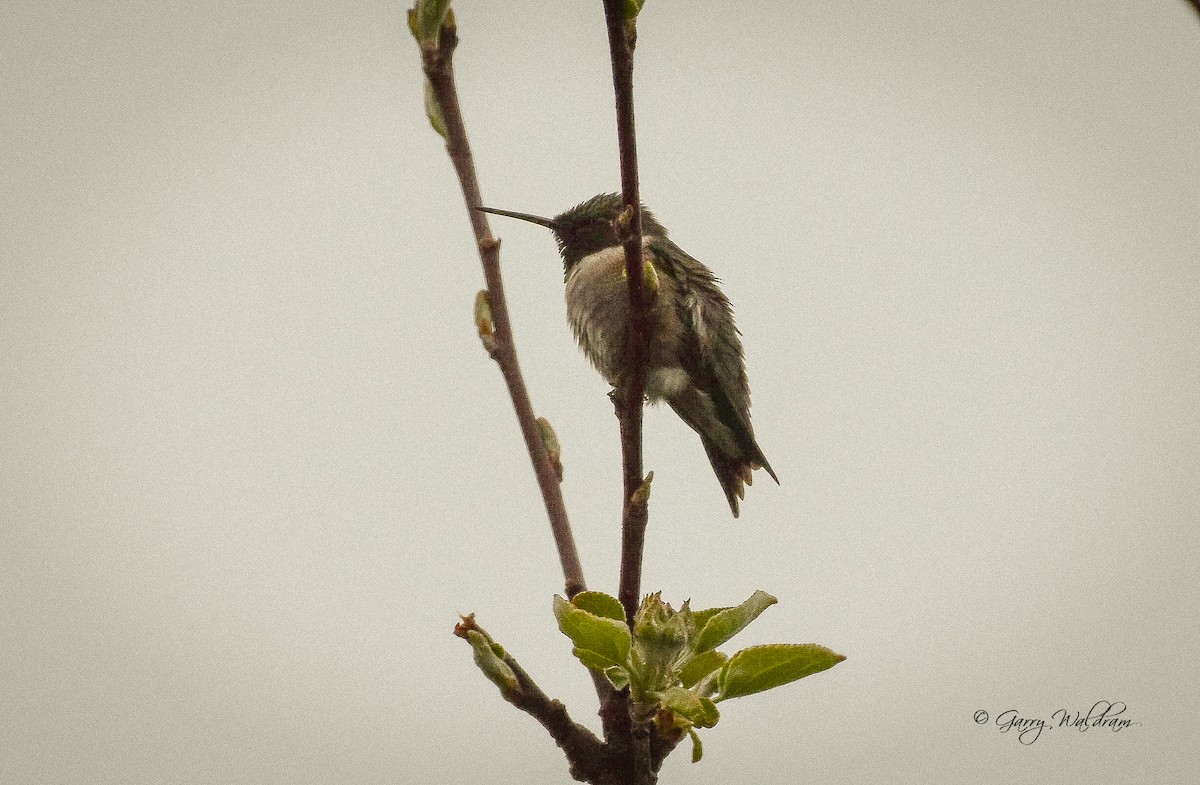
(598, 309)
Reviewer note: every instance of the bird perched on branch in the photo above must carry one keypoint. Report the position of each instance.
(694, 357)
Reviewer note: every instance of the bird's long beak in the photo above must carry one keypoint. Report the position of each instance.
(534, 219)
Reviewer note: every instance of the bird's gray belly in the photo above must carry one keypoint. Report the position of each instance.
(598, 310)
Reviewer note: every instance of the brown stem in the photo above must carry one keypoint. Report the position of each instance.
(587, 755)
(438, 66)
(629, 400)
(636, 759)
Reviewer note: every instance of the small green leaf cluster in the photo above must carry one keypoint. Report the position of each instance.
(425, 20)
(489, 656)
(669, 660)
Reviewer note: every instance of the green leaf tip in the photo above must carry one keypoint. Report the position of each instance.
(617, 676)
(426, 18)
(698, 711)
(433, 111)
(697, 747)
(600, 641)
(642, 495)
(483, 305)
(726, 622)
(600, 604)
(488, 658)
(700, 666)
(553, 448)
(762, 668)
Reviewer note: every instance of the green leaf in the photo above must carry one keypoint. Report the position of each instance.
(617, 676)
(730, 621)
(599, 641)
(702, 617)
(641, 496)
(591, 659)
(633, 8)
(553, 448)
(425, 20)
(433, 110)
(492, 665)
(766, 667)
(697, 747)
(700, 666)
(699, 711)
(600, 604)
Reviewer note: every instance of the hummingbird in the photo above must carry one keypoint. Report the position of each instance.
(694, 356)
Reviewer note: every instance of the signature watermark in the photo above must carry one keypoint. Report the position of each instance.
(1107, 716)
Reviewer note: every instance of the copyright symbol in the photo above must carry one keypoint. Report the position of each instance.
(981, 717)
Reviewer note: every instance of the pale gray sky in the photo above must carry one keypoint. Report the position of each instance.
(253, 460)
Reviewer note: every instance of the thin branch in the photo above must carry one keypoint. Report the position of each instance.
(633, 745)
(621, 40)
(587, 755)
(438, 66)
